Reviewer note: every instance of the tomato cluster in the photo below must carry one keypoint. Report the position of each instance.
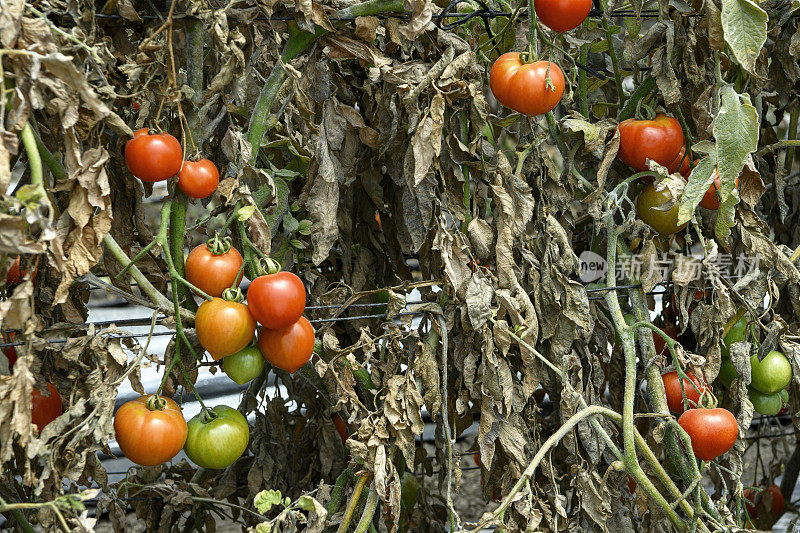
(769, 377)
(153, 157)
(526, 85)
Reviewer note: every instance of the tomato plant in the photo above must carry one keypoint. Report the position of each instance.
(214, 267)
(659, 139)
(713, 431)
(672, 388)
(150, 430)
(771, 374)
(217, 437)
(224, 327)
(155, 157)
(524, 87)
(768, 404)
(664, 222)
(198, 179)
(562, 15)
(289, 348)
(45, 409)
(277, 300)
(245, 365)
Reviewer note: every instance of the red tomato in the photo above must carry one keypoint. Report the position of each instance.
(477, 458)
(671, 330)
(153, 157)
(672, 388)
(523, 86)
(223, 327)
(632, 485)
(713, 431)
(562, 15)
(211, 273)
(680, 164)
(150, 432)
(45, 409)
(754, 498)
(198, 179)
(10, 351)
(341, 428)
(290, 348)
(660, 140)
(15, 274)
(277, 300)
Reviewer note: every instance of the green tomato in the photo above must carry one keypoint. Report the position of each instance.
(380, 297)
(727, 373)
(217, 438)
(409, 491)
(245, 365)
(737, 333)
(771, 374)
(768, 404)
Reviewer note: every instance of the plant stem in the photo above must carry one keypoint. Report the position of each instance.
(369, 510)
(34, 158)
(177, 225)
(353, 503)
(612, 53)
(533, 41)
(643, 89)
(158, 299)
(15, 511)
(583, 96)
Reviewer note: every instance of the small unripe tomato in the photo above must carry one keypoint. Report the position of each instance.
(664, 222)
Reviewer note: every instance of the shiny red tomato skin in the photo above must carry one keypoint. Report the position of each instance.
(198, 179)
(211, 273)
(522, 86)
(671, 330)
(146, 437)
(45, 409)
(288, 349)
(672, 388)
(713, 431)
(153, 157)
(660, 140)
(681, 164)
(223, 328)
(562, 15)
(277, 300)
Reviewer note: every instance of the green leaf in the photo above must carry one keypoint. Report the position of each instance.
(700, 180)
(265, 499)
(245, 212)
(306, 503)
(736, 132)
(281, 202)
(705, 147)
(744, 26)
(726, 217)
(304, 227)
(298, 245)
(265, 527)
(290, 223)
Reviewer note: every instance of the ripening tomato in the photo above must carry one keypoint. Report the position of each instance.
(211, 273)
(664, 222)
(245, 365)
(198, 179)
(154, 157)
(659, 140)
(671, 330)
(45, 409)
(277, 300)
(681, 164)
(150, 430)
(562, 15)
(217, 437)
(523, 87)
(713, 431)
(772, 374)
(672, 388)
(15, 274)
(290, 348)
(224, 327)
(754, 498)
(341, 428)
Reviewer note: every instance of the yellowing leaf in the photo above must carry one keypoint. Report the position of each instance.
(744, 26)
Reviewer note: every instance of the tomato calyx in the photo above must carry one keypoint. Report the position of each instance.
(232, 294)
(218, 245)
(644, 111)
(268, 267)
(156, 403)
(207, 415)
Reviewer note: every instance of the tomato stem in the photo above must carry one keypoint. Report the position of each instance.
(218, 245)
(232, 294)
(533, 41)
(155, 402)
